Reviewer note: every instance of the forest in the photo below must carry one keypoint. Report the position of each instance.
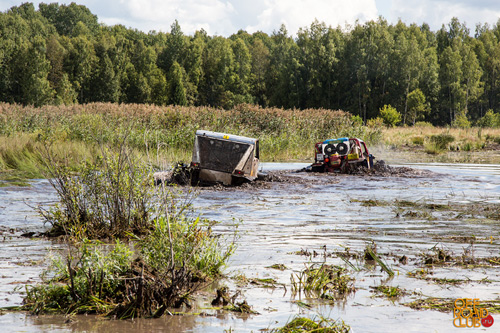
(61, 54)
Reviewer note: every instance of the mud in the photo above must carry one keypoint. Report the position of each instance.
(295, 219)
(301, 177)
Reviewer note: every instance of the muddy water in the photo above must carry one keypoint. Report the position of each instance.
(317, 213)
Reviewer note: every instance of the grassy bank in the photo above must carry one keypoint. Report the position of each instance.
(474, 138)
(167, 133)
(438, 144)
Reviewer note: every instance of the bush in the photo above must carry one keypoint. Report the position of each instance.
(112, 197)
(490, 119)
(442, 140)
(439, 143)
(375, 122)
(461, 121)
(86, 281)
(390, 115)
(357, 120)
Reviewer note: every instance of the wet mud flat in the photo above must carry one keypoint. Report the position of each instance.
(433, 225)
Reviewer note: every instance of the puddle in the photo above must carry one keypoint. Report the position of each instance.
(320, 212)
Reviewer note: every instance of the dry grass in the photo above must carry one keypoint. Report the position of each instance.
(399, 136)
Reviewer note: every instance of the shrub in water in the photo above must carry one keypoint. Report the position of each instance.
(111, 197)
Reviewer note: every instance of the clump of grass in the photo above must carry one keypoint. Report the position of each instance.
(83, 282)
(229, 302)
(438, 143)
(442, 140)
(433, 303)
(280, 267)
(325, 281)
(437, 255)
(173, 261)
(424, 124)
(432, 149)
(265, 283)
(390, 291)
(371, 202)
(417, 140)
(241, 307)
(318, 324)
(370, 254)
(419, 273)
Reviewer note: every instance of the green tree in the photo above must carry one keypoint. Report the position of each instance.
(105, 83)
(471, 76)
(193, 65)
(284, 71)
(489, 120)
(488, 51)
(218, 66)
(318, 57)
(175, 48)
(417, 106)
(409, 59)
(390, 115)
(80, 63)
(260, 66)
(450, 75)
(66, 17)
(33, 69)
(240, 85)
(177, 93)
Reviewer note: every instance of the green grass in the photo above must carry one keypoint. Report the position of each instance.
(326, 282)
(390, 291)
(317, 324)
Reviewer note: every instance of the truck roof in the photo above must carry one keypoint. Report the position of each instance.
(229, 137)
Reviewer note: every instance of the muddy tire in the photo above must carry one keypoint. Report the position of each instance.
(318, 168)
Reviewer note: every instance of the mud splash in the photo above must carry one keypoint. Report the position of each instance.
(298, 219)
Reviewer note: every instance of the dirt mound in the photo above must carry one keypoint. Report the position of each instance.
(381, 169)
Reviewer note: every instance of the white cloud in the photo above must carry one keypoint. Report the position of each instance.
(437, 13)
(296, 14)
(227, 17)
(212, 15)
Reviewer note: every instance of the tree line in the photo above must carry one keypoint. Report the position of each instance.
(60, 54)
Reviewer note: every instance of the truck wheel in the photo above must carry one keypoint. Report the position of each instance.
(330, 149)
(342, 148)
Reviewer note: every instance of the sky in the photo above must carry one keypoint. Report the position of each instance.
(225, 17)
